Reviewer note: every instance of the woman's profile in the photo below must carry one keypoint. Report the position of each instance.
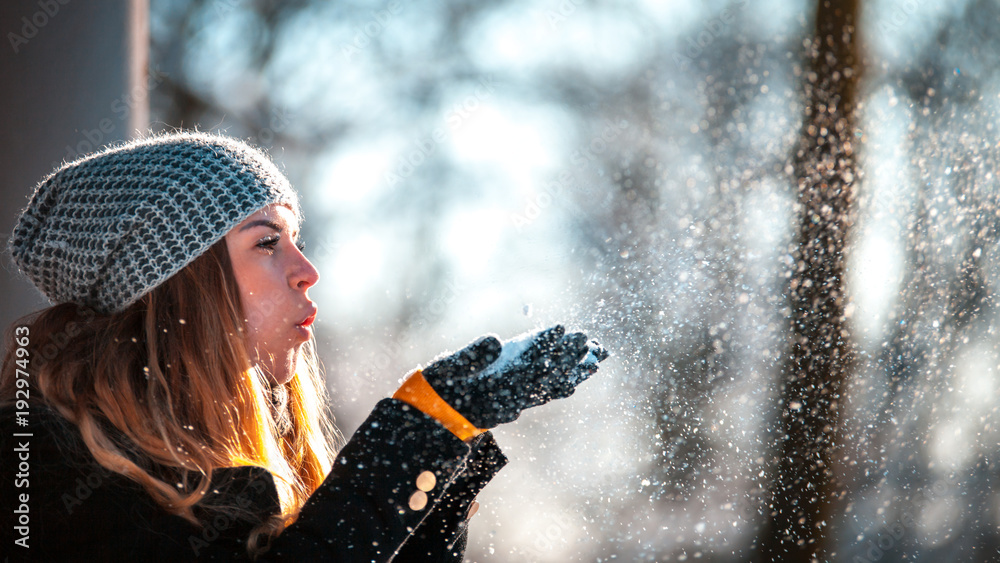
(170, 405)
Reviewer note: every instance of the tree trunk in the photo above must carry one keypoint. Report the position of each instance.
(804, 486)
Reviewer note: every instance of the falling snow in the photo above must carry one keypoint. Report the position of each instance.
(792, 296)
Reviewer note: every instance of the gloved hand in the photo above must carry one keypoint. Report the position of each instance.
(490, 383)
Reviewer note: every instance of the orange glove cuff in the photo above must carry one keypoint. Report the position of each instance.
(416, 392)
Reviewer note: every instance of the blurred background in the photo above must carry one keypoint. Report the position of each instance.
(780, 216)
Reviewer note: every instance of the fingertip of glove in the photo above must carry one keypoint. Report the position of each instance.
(487, 341)
(489, 347)
(549, 337)
(600, 353)
(564, 392)
(483, 352)
(577, 341)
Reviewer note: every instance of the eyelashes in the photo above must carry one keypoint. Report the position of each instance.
(270, 242)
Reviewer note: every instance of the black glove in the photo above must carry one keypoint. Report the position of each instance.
(490, 384)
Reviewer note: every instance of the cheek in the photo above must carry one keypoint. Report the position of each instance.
(252, 296)
(254, 313)
(264, 314)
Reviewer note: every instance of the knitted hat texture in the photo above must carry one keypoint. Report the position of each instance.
(106, 229)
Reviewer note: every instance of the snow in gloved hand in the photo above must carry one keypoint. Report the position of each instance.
(490, 383)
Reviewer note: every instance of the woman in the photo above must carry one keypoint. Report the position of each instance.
(170, 405)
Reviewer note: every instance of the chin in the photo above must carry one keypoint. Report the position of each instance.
(282, 378)
(286, 372)
(278, 373)
(283, 374)
(282, 366)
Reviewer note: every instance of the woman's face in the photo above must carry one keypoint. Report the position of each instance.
(273, 276)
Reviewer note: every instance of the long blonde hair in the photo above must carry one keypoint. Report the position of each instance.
(171, 377)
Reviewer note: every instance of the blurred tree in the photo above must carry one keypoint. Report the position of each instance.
(804, 487)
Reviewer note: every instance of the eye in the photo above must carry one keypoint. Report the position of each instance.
(268, 243)
(300, 244)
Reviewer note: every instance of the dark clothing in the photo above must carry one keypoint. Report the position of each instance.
(78, 511)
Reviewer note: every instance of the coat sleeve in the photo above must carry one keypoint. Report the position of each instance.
(442, 535)
(401, 479)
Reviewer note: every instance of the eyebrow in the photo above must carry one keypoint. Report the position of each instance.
(263, 223)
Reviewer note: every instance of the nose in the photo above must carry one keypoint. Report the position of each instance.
(306, 275)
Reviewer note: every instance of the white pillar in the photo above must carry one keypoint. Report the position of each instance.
(73, 75)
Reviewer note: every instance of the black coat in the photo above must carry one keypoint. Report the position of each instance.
(78, 511)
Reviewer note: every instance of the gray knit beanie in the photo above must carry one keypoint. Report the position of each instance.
(106, 229)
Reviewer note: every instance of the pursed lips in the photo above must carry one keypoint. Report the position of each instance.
(308, 320)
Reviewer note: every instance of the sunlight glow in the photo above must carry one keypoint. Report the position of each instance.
(600, 42)
(472, 239)
(876, 272)
(504, 136)
(352, 174)
(358, 264)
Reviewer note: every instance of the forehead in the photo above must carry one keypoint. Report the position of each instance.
(276, 213)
